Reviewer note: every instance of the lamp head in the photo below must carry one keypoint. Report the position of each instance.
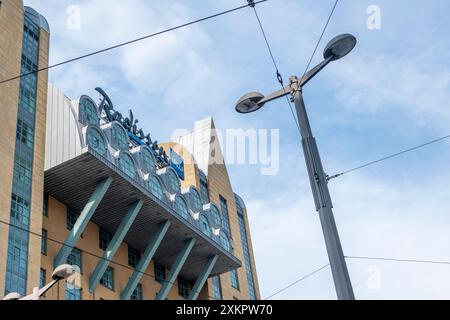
(63, 272)
(12, 296)
(250, 102)
(339, 47)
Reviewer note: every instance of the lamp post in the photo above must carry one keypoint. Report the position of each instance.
(60, 273)
(337, 48)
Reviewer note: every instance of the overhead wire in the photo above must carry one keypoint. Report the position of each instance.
(389, 157)
(297, 281)
(127, 43)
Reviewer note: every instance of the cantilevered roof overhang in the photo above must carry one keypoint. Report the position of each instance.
(73, 182)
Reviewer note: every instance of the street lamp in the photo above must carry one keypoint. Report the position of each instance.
(60, 273)
(337, 48)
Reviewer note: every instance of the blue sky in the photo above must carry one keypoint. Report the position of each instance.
(391, 93)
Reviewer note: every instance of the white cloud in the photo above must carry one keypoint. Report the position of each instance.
(375, 218)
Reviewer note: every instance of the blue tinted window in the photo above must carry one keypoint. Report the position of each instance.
(72, 293)
(108, 278)
(127, 165)
(75, 259)
(217, 288)
(88, 112)
(182, 208)
(156, 187)
(96, 141)
(120, 137)
(173, 181)
(204, 225)
(234, 279)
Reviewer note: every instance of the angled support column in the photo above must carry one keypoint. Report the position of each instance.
(175, 270)
(114, 244)
(204, 275)
(82, 221)
(145, 261)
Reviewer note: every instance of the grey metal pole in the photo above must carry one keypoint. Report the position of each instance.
(324, 206)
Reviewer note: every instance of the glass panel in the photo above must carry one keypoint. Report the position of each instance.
(120, 137)
(215, 214)
(148, 161)
(204, 225)
(225, 241)
(174, 182)
(96, 141)
(88, 112)
(196, 201)
(156, 187)
(108, 278)
(127, 165)
(182, 208)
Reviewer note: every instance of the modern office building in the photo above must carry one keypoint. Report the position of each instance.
(24, 46)
(82, 184)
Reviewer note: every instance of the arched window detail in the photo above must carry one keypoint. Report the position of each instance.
(120, 137)
(88, 112)
(182, 208)
(127, 165)
(156, 187)
(96, 141)
(204, 225)
(225, 241)
(215, 215)
(148, 161)
(196, 201)
(173, 181)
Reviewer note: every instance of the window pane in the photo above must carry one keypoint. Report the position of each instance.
(156, 187)
(108, 278)
(148, 161)
(196, 201)
(204, 225)
(181, 207)
(88, 112)
(234, 279)
(127, 165)
(44, 242)
(160, 273)
(174, 182)
(120, 137)
(96, 141)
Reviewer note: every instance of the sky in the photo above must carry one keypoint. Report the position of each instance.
(391, 93)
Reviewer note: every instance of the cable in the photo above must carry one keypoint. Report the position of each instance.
(298, 281)
(279, 76)
(399, 260)
(388, 157)
(320, 39)
(88, 253)
(129, 42)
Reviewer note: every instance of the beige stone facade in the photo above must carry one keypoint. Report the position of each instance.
(11, 34)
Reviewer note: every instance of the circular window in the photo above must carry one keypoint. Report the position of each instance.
(127, 165)
(204, 225)
(148, 161)
(156, 187)
(215, 214)
(88, 112)
(196, 201)
(173, 182)
(120, 137)
(225, 241)
(96, 141)
(182, 208)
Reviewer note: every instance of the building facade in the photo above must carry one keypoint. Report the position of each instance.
(82, 184)
(24, 46)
